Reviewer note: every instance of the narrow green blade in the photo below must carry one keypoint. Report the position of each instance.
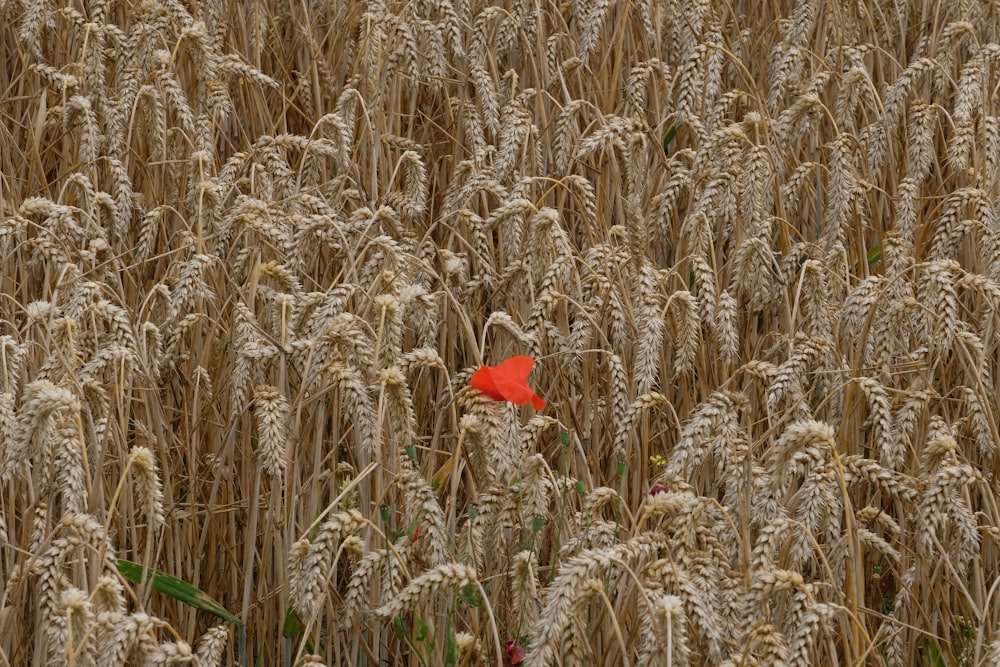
(669, 134)
(874, 255)
(177, 589)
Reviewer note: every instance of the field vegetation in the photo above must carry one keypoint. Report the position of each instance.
(251, 254)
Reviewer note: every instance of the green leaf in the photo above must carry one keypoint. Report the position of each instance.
(422, 629)
(470, 596)
(293, 629)
(450, 648)
(177, 589)
(935, 652)
(669, 134)
(874, 255)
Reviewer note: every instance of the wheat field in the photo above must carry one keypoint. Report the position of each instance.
(252, 253)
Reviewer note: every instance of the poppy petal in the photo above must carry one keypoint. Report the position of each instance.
(507, 381)
(517, 393)
(482, 380)
(516, 368)
(511, 379)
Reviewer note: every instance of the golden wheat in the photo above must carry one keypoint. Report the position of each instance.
(254, 252)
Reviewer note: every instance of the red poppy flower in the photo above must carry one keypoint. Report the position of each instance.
(508, 381)
(659, 488)
(513, 651)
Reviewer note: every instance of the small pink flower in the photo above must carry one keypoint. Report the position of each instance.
(659, 488)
